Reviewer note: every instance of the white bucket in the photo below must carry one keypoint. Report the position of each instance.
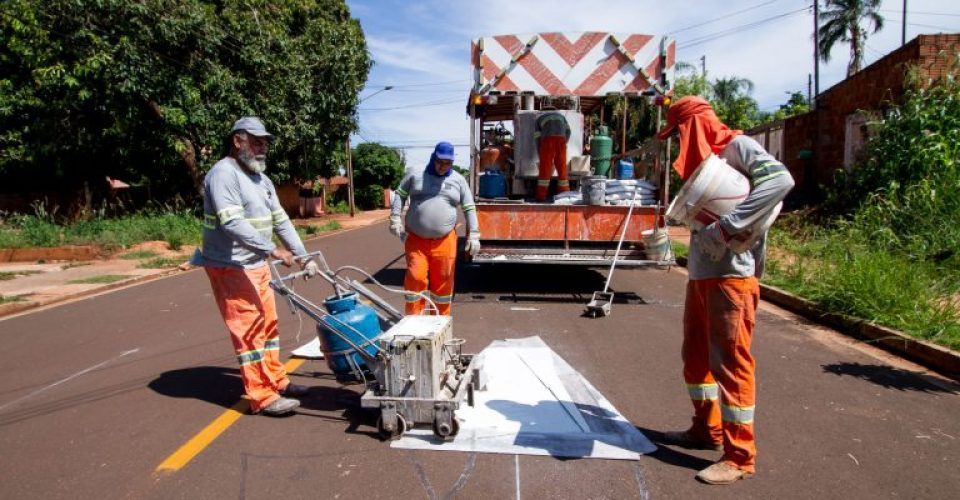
(713, 190)
(656, 244)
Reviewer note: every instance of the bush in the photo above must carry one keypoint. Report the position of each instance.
(369, 197)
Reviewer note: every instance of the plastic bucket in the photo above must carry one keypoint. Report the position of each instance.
(656, 244)
(624, 170)
(713, 190)
(594, 189)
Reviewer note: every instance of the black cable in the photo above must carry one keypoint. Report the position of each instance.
(722, 17)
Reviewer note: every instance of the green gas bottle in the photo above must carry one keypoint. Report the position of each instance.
(601, 147)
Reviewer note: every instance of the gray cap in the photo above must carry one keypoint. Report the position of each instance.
(251, 125)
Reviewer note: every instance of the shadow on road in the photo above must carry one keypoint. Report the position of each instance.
(890, 377)
(214, 384)
(671, 456)
(533, 283)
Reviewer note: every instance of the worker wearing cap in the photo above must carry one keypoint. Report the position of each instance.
(552, 134)
(429, 235)
(241, 213)
(722, 292)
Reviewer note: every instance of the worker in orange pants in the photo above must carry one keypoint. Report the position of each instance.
(552, 134)
(429, 228)
(430, 265)
(723, 292)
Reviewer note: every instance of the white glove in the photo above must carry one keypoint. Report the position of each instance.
(473, 245)
(396, 227)
(713, 241)
(311, 268)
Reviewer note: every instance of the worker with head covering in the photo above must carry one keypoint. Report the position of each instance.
(429, 232)
(722, 292)
(552, 134)
(241, 214)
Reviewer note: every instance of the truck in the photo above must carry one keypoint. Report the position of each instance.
(514, 77)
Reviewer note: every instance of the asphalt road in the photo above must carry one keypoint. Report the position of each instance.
(95, 394)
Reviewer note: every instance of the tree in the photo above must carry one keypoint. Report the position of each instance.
(843, 21)
(375, 167)
(796, 105)
(146, 91)
(730, 98)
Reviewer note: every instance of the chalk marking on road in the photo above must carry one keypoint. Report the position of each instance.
(71, 377)
(516, 467)
(202, 439)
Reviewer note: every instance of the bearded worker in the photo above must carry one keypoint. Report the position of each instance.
(241, 214)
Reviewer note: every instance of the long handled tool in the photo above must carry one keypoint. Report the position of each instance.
(602, 302)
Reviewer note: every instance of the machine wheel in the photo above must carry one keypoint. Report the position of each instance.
(402, 426)
(445, 432)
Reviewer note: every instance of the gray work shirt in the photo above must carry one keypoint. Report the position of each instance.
(433, 204)
(770, 182)
(240, 214)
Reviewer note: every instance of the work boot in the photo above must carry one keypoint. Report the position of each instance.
(687, 439)
(295, 390)
(280, 407)
(723, 472)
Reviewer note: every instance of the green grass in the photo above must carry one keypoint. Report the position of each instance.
(9, 299)
(162, 262)
(842, 274)
(139, 254)
(9, 275)
(99, 279)
(323, 228)
(176, 228)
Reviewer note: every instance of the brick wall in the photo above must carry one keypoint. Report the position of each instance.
(875, 87)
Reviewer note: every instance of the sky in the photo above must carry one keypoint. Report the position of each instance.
(422, 49)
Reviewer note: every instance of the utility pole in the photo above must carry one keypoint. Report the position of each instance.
(903, 30)
(703, 65)
(809, 89)
(816, 50)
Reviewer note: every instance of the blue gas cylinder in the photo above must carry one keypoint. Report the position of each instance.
(624, 170)
(493, 184)
(363, 330)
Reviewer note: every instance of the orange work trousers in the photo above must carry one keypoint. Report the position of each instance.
(249, 310)
(430, 265)
(718, 323)
(553, 153)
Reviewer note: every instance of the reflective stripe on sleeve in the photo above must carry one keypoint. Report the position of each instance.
(740, 415)
(703, 392)
(767, 170)
(230, 213)
(401, 193)
(469, 207)
(272, 344)
(279, 217)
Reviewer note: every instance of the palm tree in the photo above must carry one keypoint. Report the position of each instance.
(844, 21)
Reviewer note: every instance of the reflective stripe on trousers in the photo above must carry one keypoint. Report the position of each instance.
(430, 265)
(248, 308)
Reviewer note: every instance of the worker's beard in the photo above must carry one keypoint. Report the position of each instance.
(255, 164)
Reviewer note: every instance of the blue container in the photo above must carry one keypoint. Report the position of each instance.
(493, 184)
(345, 310)
(624, 170)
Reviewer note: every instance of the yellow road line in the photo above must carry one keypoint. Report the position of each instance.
(202, 439)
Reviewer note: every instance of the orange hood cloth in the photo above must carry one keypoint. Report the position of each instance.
(701, 133)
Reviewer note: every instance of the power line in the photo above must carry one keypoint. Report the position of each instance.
(921, 13)
(429, 84)
(737, 29)
(721, 17)
(924, 25)
(417, 105)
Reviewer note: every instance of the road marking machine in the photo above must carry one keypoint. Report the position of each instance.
(413, 367)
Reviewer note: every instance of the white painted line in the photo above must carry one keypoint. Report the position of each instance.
(71, 377)
(524, 309)
(516, 465)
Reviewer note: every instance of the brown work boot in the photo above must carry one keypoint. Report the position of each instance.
(723, 472)
(687, 439)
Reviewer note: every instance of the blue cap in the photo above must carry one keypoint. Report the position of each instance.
(251, 125)
(443, 151)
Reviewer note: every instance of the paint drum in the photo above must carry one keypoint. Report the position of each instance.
(594, 189)
(656, 244)
(713, 190)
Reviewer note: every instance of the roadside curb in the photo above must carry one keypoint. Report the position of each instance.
(935, 357)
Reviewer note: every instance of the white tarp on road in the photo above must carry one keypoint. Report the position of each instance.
(536, 404)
